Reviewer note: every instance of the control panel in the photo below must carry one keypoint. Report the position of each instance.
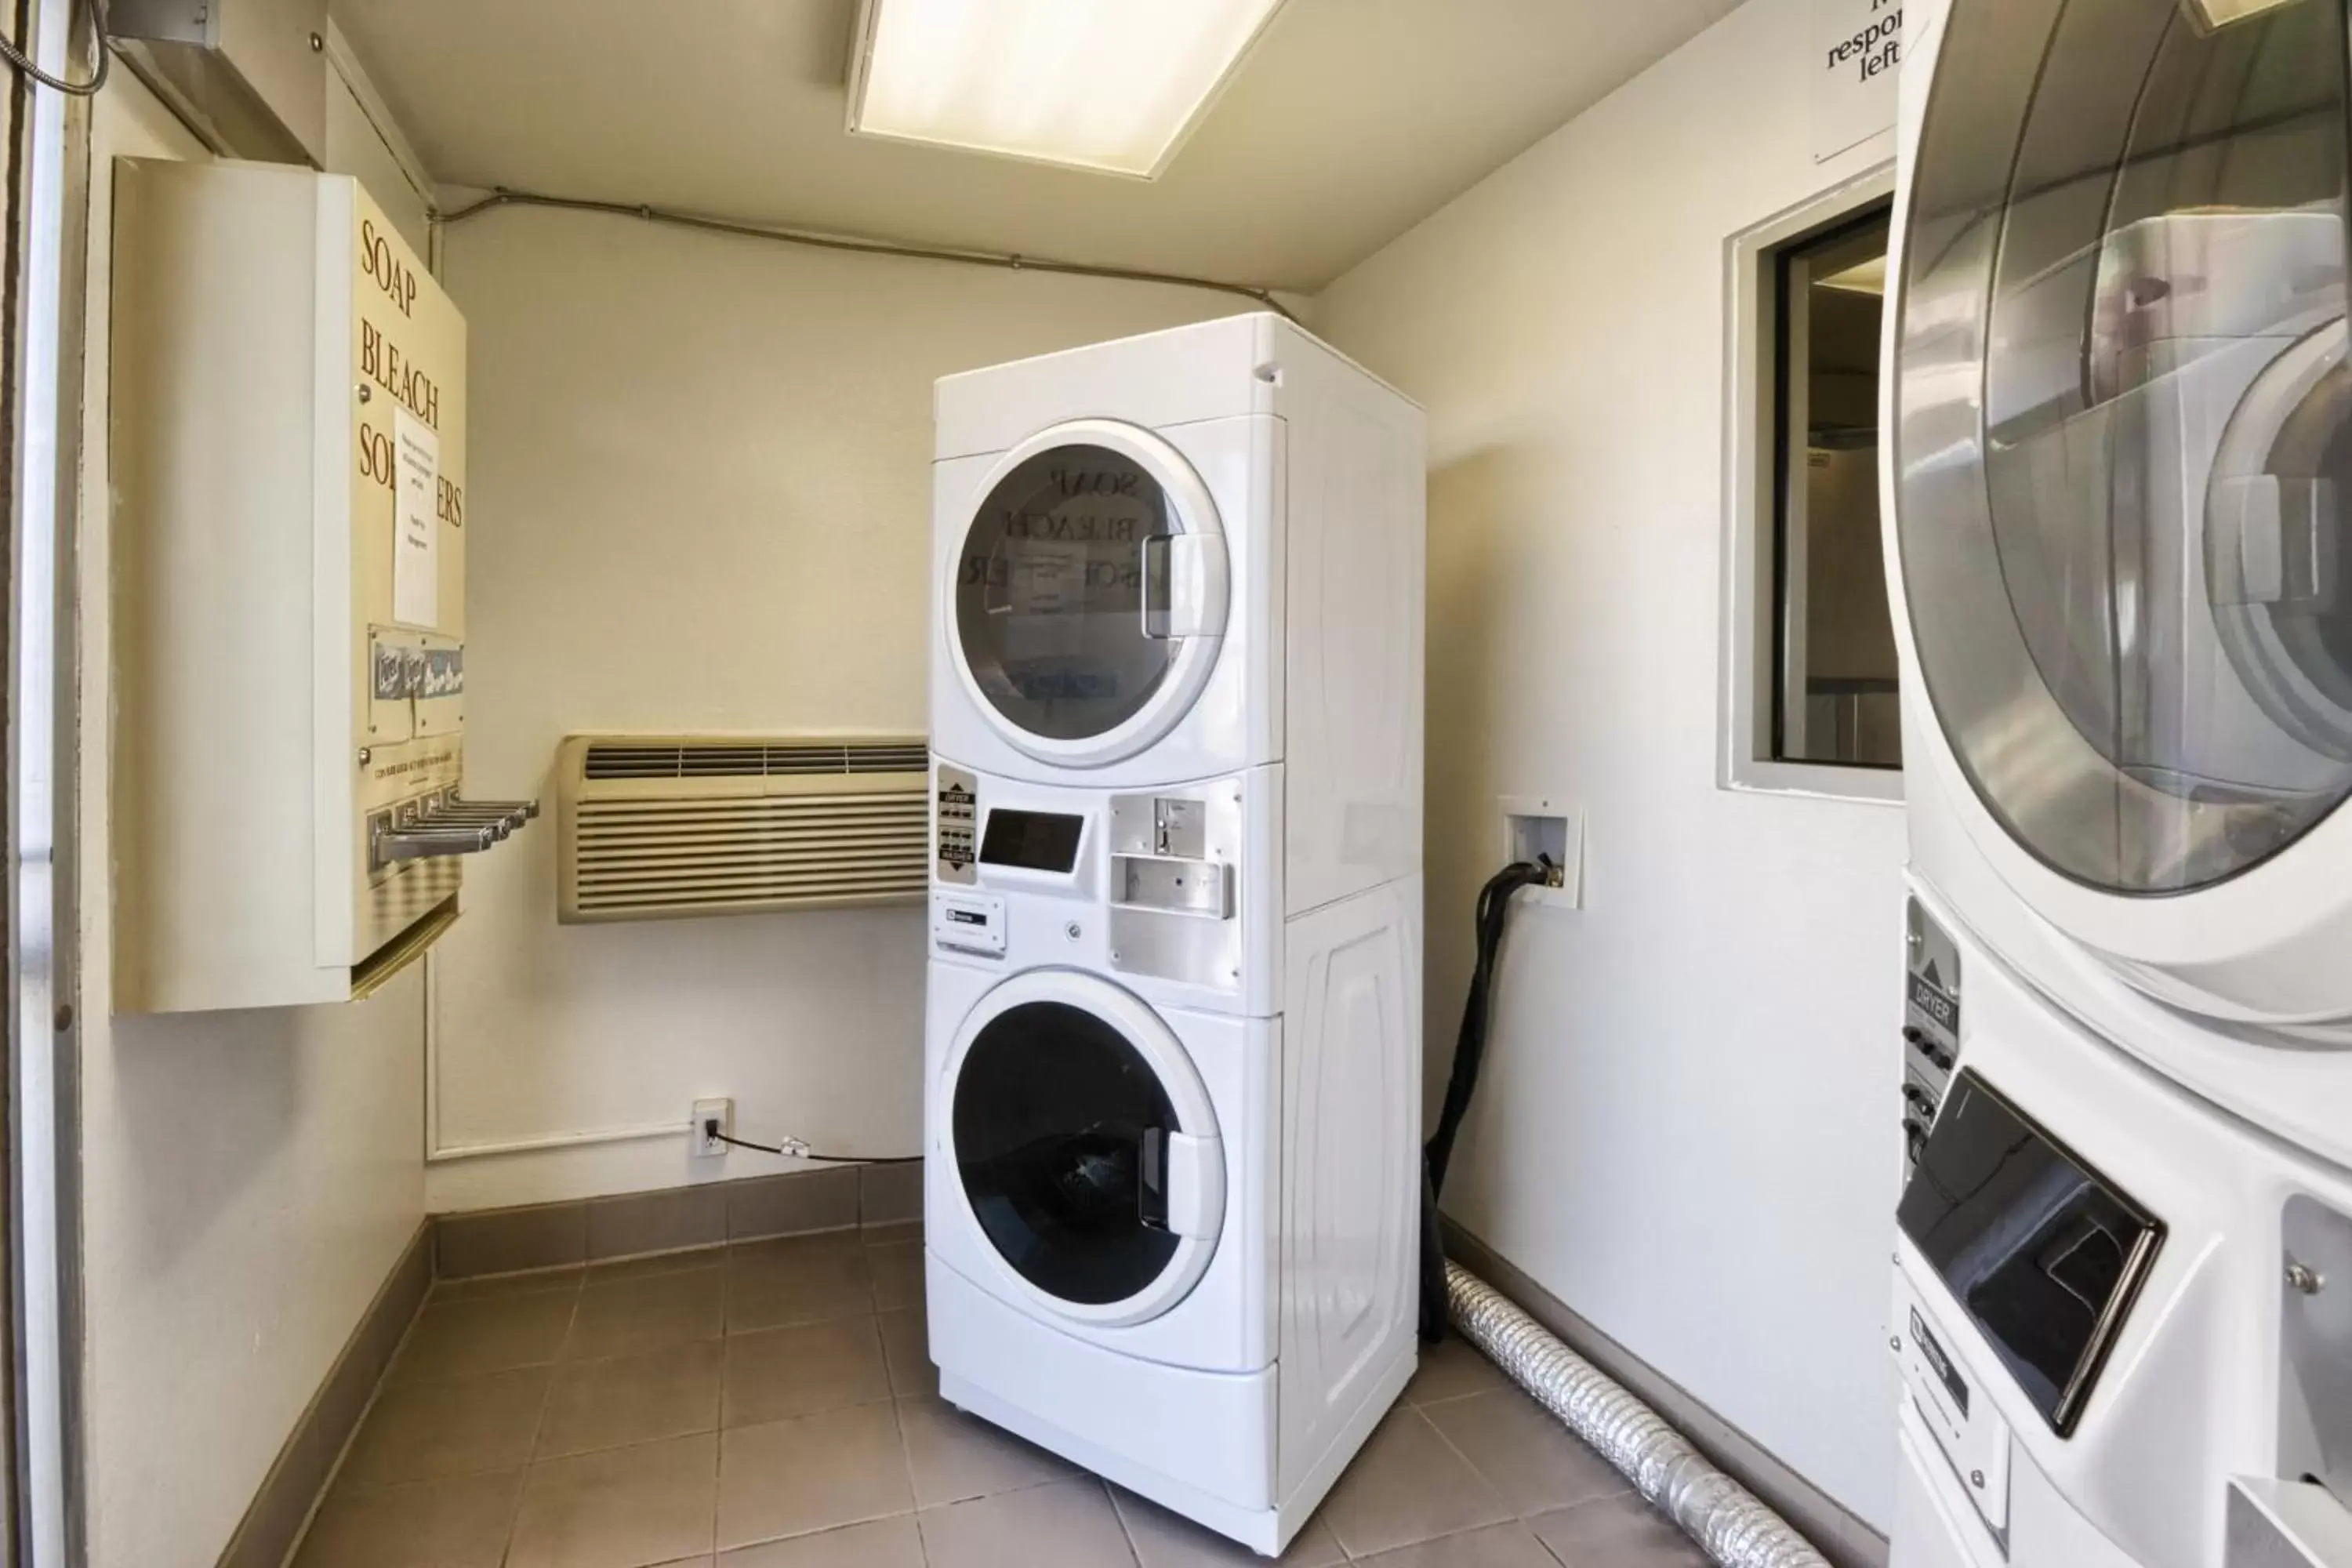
(1931, 1026)
(955, 817)
(288, 469)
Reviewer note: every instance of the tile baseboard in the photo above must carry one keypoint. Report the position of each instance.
(281, 1507)
(1841, 1536)
(673, 1219)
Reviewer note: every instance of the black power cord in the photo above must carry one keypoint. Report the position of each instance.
(799, 1151)
(1494, 911)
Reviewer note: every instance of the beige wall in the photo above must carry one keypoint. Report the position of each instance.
(249, 1178)
(701, 500)
(1688, 1130)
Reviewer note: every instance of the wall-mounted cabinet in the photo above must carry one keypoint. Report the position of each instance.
(287, 430)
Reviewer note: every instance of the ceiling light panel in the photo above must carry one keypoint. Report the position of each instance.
(1109, 85)
(2217, 13)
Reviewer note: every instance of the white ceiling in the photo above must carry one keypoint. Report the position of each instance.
(1349, 122)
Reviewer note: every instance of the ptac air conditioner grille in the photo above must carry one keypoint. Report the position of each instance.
(659, 826)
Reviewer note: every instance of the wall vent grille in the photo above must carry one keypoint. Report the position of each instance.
(737, 759)
(653, 827)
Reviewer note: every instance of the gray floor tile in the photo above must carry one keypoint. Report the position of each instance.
(907, 1349)
(772, 1374)
(418, 1431)
(1496, 1546)
(884, 1544)
(953, 1456)
(613, 1270)
(1070, 1524)
(811, 1473)
(462, 1338)
(1619, 1532)
(1522, 1448)
(897, 1270)
(1161, 1540)
(668, 1393)
(623, 1508)
(530, 1284)
(633, 1315)
(796, 1279)
(1453, 1369)
(460, 1522)
(883, 1232)
(1406, 1487)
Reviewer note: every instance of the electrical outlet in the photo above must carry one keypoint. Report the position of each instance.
(708, 1110)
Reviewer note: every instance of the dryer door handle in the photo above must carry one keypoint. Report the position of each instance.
(1183, 1188)
(1183, 585)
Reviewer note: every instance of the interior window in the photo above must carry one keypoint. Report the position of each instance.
(1834, 686)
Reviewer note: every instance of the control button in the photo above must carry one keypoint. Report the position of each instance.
(1914, 1035)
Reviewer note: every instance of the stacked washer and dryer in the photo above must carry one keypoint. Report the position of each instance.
(2118, 494)
(1173, 1093)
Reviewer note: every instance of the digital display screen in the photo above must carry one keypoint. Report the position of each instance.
(2040, 1249)
(1031, 841)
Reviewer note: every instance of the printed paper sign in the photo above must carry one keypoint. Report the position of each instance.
(416, 530)
(1857, 45)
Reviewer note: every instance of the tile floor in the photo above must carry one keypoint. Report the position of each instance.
(771, 1404)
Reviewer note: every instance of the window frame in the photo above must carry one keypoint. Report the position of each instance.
(1753, 477)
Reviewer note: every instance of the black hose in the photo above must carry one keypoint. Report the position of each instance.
(1494, 911)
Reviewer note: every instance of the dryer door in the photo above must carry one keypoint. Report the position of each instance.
(2123, 428)
(1085, 1147)
(1089, 597)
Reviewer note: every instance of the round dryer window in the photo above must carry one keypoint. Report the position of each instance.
(1090, 591)
(1078, 1135)
(2123, 428)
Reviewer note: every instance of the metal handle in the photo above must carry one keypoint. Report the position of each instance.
(466, 816)
(525, 809)
(1159, 586)
(426, 816)
(427, 843)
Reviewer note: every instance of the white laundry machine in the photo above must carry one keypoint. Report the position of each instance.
(1173, 1092)
(2117, 492)
(1161, 558)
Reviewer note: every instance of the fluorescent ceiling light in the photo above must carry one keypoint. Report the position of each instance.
(1109, 85)
(1862, 277)
(2221, 13)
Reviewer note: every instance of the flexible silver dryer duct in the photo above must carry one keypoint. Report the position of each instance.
(1726, 1519)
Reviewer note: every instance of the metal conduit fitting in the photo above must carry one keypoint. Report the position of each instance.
(1728, 1521)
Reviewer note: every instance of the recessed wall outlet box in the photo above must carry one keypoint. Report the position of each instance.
(705, 1111)
(1547, 828)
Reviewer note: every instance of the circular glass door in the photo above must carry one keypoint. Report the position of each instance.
(2124, 427)
(1066, 1116)
(1090, 591)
